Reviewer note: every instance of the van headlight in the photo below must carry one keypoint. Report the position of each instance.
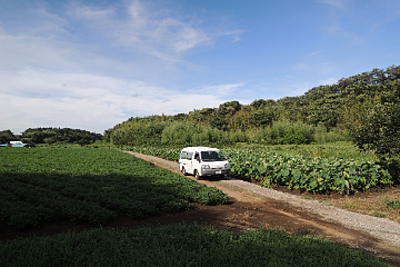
(205, 166)
(226, 166)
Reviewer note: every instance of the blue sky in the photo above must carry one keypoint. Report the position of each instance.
(93, 64)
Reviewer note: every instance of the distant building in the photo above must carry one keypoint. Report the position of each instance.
(17, 144)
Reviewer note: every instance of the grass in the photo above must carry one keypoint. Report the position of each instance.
(350, 205)
(181, 245)
(393, 203)
(377, 214)
(307, 197)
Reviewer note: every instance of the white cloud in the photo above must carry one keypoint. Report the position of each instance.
(301, 67)
(221, 90)
(146, 30)
(93, 14)
(236, 39)
(51, 78)
(336, 3)
(329, 81)
(96, 103)
(48, 24)
(298, 89)
(29, 112)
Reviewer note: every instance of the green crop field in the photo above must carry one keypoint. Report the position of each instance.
(96, 185)
(89, 185)
(181, 245)
(291, 166)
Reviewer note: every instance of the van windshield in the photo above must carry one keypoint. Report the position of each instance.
(212, 156)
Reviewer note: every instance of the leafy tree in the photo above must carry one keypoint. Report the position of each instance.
(6, 136)
(233, 104)
(380, 130)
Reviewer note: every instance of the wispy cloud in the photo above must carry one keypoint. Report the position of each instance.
(222, 90)
(336, 3)
(88, 101)
(144, 29)
(55, 72)
(92, 14)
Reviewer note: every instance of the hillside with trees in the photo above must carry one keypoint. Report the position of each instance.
(60, 135)
(345, 110)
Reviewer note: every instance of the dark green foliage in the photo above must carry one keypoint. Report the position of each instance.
(379, 130)
(349, 105)
(318, 175)
(232, 105)
(7, 136)
(393, 203)
(181, 245)
(89, 185)
(60, 135)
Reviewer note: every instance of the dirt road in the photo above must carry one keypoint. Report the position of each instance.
(250, 208)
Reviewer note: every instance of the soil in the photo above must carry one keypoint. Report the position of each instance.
(243, 212)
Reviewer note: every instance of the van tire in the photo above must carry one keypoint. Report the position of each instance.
(184, 171)
(196, 175)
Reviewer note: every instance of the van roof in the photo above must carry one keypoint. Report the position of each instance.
(200, 148)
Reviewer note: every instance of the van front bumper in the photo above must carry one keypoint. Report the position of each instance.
(211, 172)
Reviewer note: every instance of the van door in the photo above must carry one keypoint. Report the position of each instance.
(196, 162)
(189, 165)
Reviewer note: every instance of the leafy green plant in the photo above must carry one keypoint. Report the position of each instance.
(182, 245)
(377, 214)
(314, 174)
(90, 185)
(392, 203)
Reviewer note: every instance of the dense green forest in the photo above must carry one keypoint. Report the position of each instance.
(363, 108)
(59, 135)
(7, 136)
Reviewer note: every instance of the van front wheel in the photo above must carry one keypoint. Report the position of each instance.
(183, 171)
(196, 175)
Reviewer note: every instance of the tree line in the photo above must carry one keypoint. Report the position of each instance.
(51, 135)
(341, 111)
(7, 136)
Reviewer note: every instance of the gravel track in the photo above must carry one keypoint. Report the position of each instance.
(383, 229)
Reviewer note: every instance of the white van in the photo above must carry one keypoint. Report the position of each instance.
(203, 161)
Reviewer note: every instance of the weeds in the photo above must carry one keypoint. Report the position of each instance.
(377, 214)
(392, 203)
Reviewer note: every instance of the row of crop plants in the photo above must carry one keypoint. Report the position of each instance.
(89, 185)
(181, 245)
(313, 174)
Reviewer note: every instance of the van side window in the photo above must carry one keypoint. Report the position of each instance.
(190, 155)
(183, 155)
